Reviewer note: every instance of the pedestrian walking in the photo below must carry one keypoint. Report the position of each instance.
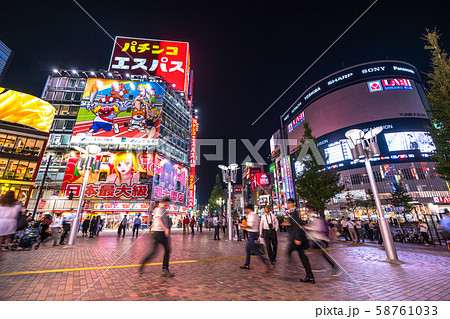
(99, 226)
(253, 234)
(298, 240)
(67, 223)
(345, 231)
(268, 229)
(122, 226)
(423, 229)
(333, 231)
(224, 225)
(9, 211)
(236, 225)
(57, 228)
(93, 227)
(359, 230)
(192, 224)
(161, 234)
(216, 228)
(200, 224)
(85, 227)
(370, 228)
(351, 229)
(186, 224)
(244, 227)
(317, 231)
(137, 225)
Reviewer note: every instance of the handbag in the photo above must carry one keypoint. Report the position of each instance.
(259, 246)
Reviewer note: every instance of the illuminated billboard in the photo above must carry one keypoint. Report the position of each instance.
(169, 59)
(121, 176)
(409, 141)
(115, 111)
(26, 109)
(191, 200)
(170, 179)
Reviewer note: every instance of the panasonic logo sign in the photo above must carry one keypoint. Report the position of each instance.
(340, 78)
(372, 70)
(396, 68)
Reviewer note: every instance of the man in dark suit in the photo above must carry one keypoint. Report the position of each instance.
(299, 241)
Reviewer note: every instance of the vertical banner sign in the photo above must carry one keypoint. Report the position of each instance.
(191, 201)
(169, 59)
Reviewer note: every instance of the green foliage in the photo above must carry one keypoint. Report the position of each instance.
(351, 202)
(216, 193)
(316, 185)
(438, 97)
(400, 197)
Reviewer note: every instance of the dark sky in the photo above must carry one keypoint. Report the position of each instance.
(244, 54)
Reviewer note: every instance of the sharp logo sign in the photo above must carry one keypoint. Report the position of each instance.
(390, 84)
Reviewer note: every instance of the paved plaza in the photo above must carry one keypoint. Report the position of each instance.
(105, 268)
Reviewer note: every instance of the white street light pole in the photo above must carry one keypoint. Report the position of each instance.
(365, 146)
(229, 175)
(91, 151)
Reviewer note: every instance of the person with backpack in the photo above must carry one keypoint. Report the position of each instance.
(9, 211)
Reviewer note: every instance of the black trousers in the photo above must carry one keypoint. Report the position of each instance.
(245, 234)
(159, 238)
(323, 244)
(201, 227)
(346, 233)
(216, 232)
(136, 229)
(192, 228)
(121, 228)
(66, 230)
(271, 240)
(303, 257)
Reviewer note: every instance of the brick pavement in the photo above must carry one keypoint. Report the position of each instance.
(209, 270)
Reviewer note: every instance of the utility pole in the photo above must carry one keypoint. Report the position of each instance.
(42, 186)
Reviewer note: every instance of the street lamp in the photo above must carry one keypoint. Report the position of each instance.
(365, 146)
(229, 175)
(84, 164)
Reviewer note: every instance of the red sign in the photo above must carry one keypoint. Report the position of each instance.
(441, 199)
(295, 122)
(238, 189)
(109, 190)
(41, 204)
(251, 171)
(396, 82)
(191, 200)
(169, 59)
(262, 179)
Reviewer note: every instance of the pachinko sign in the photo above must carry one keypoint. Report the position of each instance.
(121, 175)
(191, 200)
(170, 179)
(114, 111)
(169, 59)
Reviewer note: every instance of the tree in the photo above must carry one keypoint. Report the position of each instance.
(368, 203)
(438, 97)
(401, 198)
(351, 202)
(216, 193)
(316, 184)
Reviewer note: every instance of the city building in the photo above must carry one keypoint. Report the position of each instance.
(389, 94)
(5, 58)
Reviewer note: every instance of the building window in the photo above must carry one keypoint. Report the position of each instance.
(58, 96)
(73, 110)
(21, 170)
(49, 95)
(11, 168)
(70, 124)
(68, 96)
(2, 140)
(81, 84)
(38, 147)
(55, 139)
(30, 171)
(53, 82)
(65, 140)
(77, 97)
(20, 144)
(62, 82)
(8, 146)
(72, 83)
(64, 110)
(3, 163)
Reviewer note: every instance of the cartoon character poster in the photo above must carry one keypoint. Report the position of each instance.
(170, 179)
(113, 108)
(121, 175)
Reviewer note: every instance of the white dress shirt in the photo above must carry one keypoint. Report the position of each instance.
(266, 220)
(252, 222)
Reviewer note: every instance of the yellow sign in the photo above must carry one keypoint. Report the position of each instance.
(26, 109)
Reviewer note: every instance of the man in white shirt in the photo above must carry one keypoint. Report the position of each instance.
(253, 234)
(268, 230)
(56, 228)
(351, 230)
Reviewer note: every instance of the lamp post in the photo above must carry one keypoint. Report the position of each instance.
(365, 146)
(91, 151)
(229, 175)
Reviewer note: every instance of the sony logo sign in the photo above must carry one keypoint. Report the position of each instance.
(372, 70)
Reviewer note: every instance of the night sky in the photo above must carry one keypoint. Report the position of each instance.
(243, 54)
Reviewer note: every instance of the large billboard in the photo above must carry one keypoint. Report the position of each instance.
(169, 59)
(26, 109)
(170, 179)
(115, 111)
(191, 200)
(121, 176)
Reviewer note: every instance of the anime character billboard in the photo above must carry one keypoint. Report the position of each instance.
(170, 179)
(119, 109)
(121, 175)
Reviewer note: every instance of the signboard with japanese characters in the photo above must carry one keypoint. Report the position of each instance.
(137, 56)
(122, 175)
(191, 199)
(170, 179)
(115, 111)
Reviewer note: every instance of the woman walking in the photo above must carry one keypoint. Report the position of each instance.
(9, 210)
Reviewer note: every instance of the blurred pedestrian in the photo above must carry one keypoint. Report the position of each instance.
(186, 224)
(298, 240)
(85, 227)
(236, 225)
(200, 224)
(122, 226)
(9, 211)
(359, 230)
(161, 233)
(244, 228)
(253, 233)
(67, 222)
(137, 225)
(268, 229)
(351, 229)
(93, 227)
(370, 228)
(345, 231)
(192, 224)
(224, 224)
(216, 228)
(45, 231)
(423, 229)
(333, 231)
(57, 228)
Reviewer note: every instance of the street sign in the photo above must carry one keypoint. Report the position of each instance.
(394, 209)
(263, 200)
